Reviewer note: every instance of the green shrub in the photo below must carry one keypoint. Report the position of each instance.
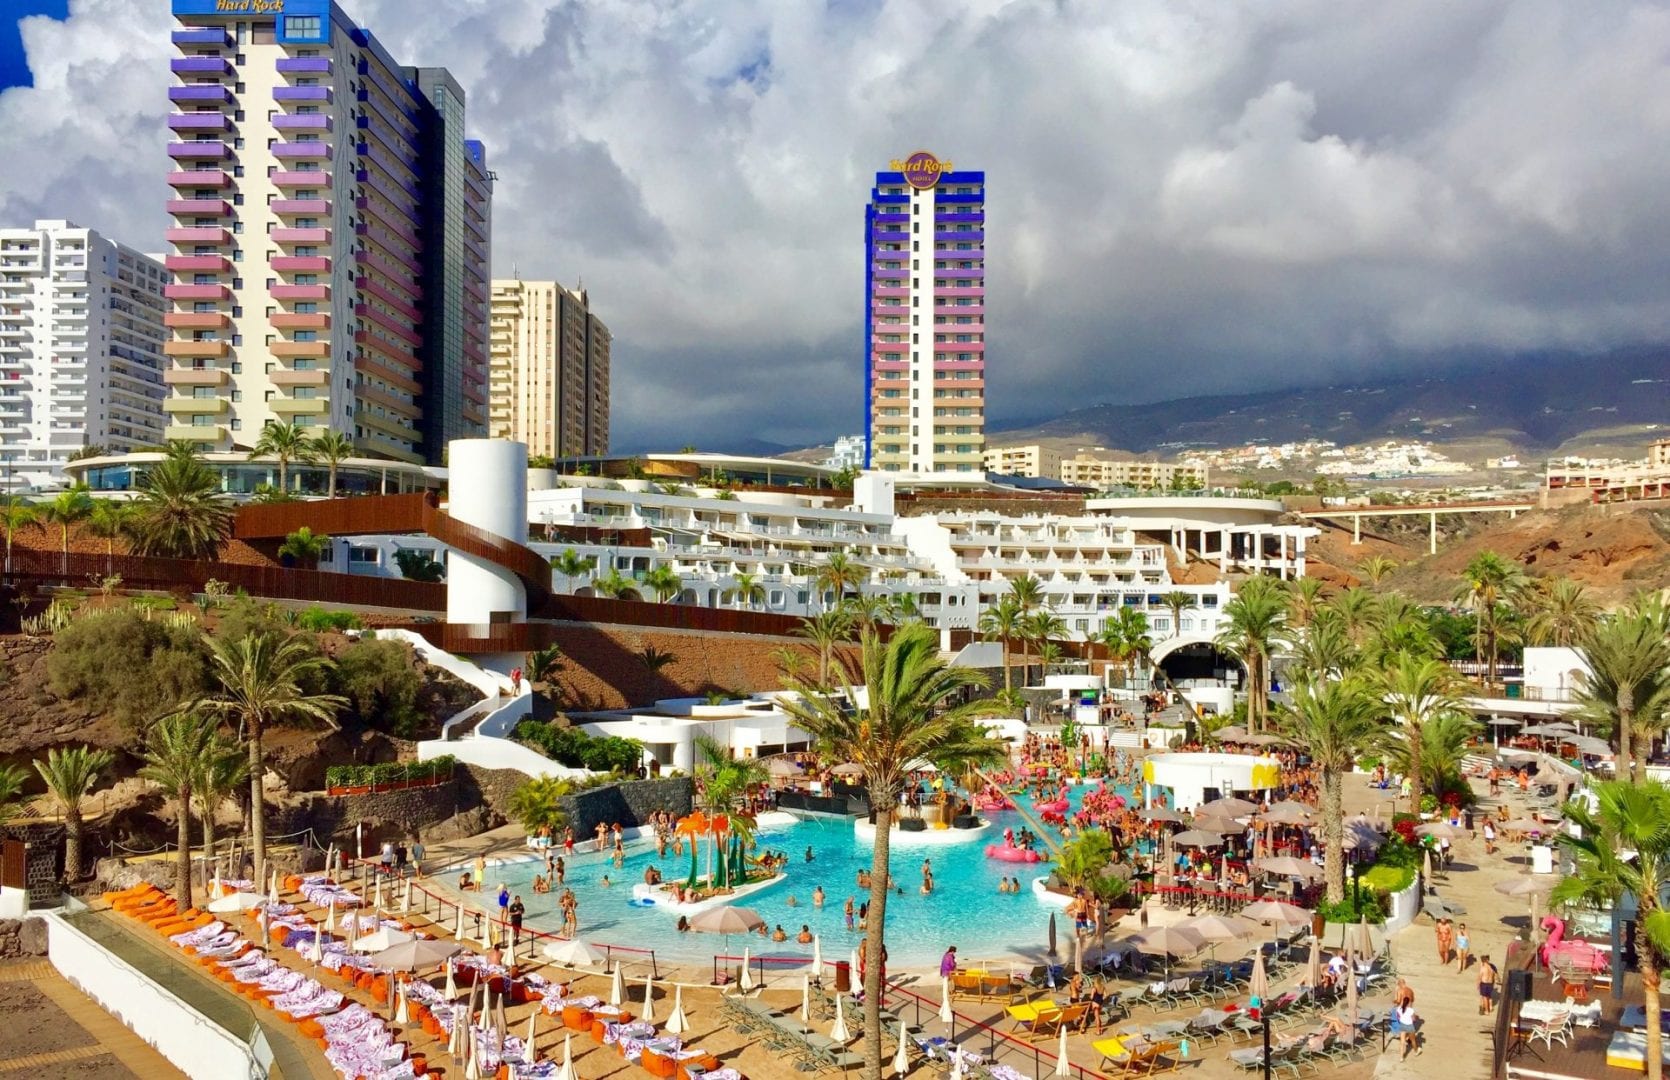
(380, 680)
(240, 617)
(578, 750)
(390, 772)
(1373, 908)
(318, 620)
(1386, 879)
(119, 663)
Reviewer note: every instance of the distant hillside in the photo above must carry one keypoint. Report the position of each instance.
(1535, 407)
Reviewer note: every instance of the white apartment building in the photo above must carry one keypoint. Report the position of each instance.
(1029, 460)
(81, 349)
(1090, 469)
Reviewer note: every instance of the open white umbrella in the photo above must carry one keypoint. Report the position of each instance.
(1168, 940)
(782, 767)
(944, 999)
(385, 938)
(236, 901)
(901, 1059)
(1221, 927)
(1162, 813)
(416, 954)
(839, 1031)
(1289, 866)
(617, 987)
(849, 769)
(1061, 1067)
(805, 999)
(1230, 807)
(677, 1022)
(1277, 913)
(566, 1071)
(1288, 812)
(1198, 838)
(648, 1015)
(573, 953)
(1438, 830)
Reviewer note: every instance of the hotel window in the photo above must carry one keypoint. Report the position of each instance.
(301, 26)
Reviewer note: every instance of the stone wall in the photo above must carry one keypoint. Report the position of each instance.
(629, 803)
(22, 937)
(400, 814)
(44, 869)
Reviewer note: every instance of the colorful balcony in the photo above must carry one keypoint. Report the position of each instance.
(196, 320)
(890, 291)
(305, 150)
(301, 236)
(943, 237)
(200, 178)
(300, 206)
(289, 377)
(202, 35)
(201, 93)
(196, 433)
(216, 264)
(199, 150)
(308, 122)
(300, 320)
(300, 292)
(311, 179)
(195, 377)
(197, 292)
(200, 65)
(201, 234)
(199, 207)
(200, 121)
(193, 350)
(311, 349)
(889, 236)
(299, 406)
(196, 405)
(305, 264)
(303, 93)
(304, 65)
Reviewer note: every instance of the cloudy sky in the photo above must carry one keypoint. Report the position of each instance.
(1184, 196)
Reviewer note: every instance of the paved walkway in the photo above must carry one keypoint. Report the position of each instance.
(107, 1050)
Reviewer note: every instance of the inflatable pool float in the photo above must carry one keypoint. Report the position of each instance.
(988, 804)
(641, 901)
(643, 895)
(1054, 806)
(1010, 853)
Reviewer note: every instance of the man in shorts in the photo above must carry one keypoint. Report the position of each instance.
(1487, 985)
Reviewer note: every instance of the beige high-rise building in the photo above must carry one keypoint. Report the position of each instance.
(548, 372)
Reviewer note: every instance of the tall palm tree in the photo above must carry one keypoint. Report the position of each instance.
(722, 778)
(1376, 569)
(332, 448)
(1254, 622)
(1444, 744)
(305, 546)
(906, 608)
(1028, 591)
(1002, 622)
(1125, 635)
(613, 585)
(1488, 585)
(260, 681)
(175, 749)
(1322, 650)
(14, 515)
(910, 713)
(1333, 719)
(1622, 849)
(836, 575)
(1627, 656)
(866, 610)
(108, 520)
(1177, 601)
(1039, 628)
(1416, 691)
(1304, 597)
(664, 581)
(224, 768)
(1562, 611)
(1400, 627)
(180, 512)
(284, 443)
(71, 774)
(69, 508)
(1358, 609)
(571, 564)
(825, 632)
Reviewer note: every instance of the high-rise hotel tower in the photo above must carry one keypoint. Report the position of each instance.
(330, 235)
(925, 318)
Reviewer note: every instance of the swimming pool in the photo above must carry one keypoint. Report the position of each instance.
(965, 909)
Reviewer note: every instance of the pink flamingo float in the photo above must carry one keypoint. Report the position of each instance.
(1572, 955)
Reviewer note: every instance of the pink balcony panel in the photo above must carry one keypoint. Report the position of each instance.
(301, 263)
(891, 347)
(891, 292)
(200, 178)
(204, 234)
(950, 348)
(301, 206)
(387, 322)
(196, 292)
(976, 310)
(300, 292)
(204, 207)
(319, 179)
(399, 303)
(972, 292)
(220, 264)
(301, 236)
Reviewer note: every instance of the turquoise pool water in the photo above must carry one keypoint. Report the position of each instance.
(965, 908)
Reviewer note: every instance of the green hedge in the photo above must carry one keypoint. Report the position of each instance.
(318, 620)
(578, 750)
(390, 772)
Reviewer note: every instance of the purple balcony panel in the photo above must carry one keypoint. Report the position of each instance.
(205, 121)
(309, 150)
(959, 274)
(310, 122)
(200, 92)
(300, 206)
(199, 207)
(200, 65)
(305, 65)
(202, 35)
(971, 219)
(302, 93)
(887, 236)
(202, 151)
(960, 237)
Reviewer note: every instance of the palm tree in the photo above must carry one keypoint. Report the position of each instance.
(1415, 691)
(905, 608)
(1253, 622)
(614, 586)
(1177, 601)
(175, 750)
(1627, 656)
(261, 681)
(108, 520)
(332, 448)
(69, 508)
(1562, 612)
(70, 774)
(913, 711)
(664, 581)
(12, 779)
(1376, 569)
(14, 515)
(1488, 585)
(825, 632)
(1400, 627)
(181, 512)
(285, 443)
(537, 804)
(865, 610)
(1322, 651)
(1444, 744)
(1304, 597)
(305, 546)
(1334, 719)
(1358, 610)
(1125, 636)
(571, 564)
(1038, 628)
(722, 778)
(1621, 849)
(224, 768)
(1028, 592)
(836, 574)
(746, 590)
(1002, 622)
